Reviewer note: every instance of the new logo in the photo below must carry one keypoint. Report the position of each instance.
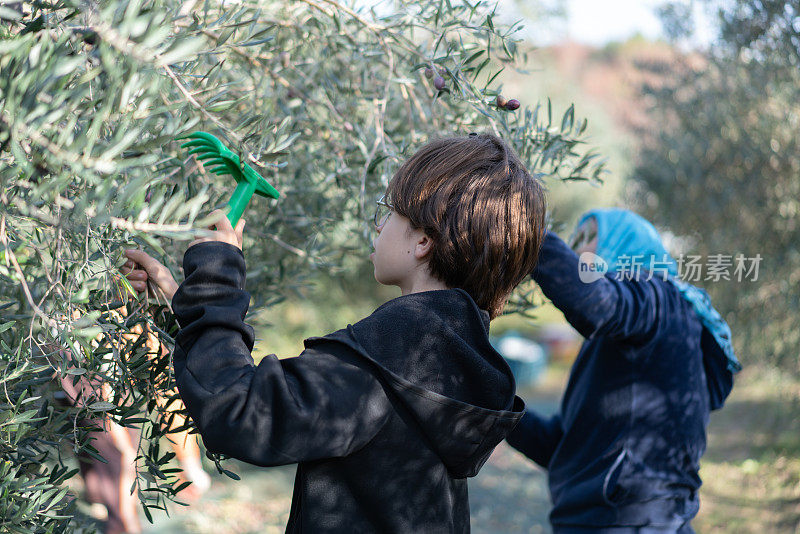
(591, 267)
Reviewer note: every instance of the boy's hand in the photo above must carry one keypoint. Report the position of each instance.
(141, 268)
(224, 231)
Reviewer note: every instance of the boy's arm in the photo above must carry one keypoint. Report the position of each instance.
(608, 307)
(536, 437)
(322, 404)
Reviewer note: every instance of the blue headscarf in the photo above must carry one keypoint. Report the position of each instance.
(623, 235)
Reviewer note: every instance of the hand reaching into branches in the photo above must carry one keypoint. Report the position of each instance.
(142, 268)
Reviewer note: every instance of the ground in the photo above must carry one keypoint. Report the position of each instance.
(751, 471)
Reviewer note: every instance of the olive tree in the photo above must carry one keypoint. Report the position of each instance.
(323, 100)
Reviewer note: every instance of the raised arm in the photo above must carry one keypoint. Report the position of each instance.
(321, 404)
(608, 307)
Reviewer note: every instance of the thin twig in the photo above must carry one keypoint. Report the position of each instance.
(10, 255)
(125, 224)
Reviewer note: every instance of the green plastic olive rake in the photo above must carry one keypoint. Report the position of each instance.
(219, 160)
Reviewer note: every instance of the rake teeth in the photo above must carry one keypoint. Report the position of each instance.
(203, 151)
(218, 159)
(197, 142)
(208, 137)
(210, 159)
(205, 135)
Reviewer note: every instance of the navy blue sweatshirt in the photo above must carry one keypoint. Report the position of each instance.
(386, 418)
(624, 450)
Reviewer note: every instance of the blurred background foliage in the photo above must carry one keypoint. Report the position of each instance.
(324, 101)
(723, 168)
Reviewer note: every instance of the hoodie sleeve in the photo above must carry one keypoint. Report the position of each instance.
(608, 307)
(321, 404)
(536, 437)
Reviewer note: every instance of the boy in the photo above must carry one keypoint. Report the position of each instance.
(388, 417)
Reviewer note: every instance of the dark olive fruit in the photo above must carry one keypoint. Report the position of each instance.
(501, 101)
(512, 104)
(429, 73)
(90, 37)
(438, 83)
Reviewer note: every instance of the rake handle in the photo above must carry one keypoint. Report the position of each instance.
(239, 200)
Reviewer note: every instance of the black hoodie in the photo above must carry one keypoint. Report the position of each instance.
(386, 417)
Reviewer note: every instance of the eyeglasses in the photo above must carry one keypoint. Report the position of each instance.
(382, 212)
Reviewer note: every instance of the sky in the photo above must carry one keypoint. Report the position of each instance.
(597, 22)
(592, 22)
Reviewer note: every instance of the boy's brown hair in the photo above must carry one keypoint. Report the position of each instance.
(481, 207)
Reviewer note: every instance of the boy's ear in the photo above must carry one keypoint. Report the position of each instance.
(423, 247)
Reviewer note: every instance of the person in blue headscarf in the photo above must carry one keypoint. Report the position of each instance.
(623, 451)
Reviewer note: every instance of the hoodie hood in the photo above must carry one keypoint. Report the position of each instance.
(719, 378)
(432, 354)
